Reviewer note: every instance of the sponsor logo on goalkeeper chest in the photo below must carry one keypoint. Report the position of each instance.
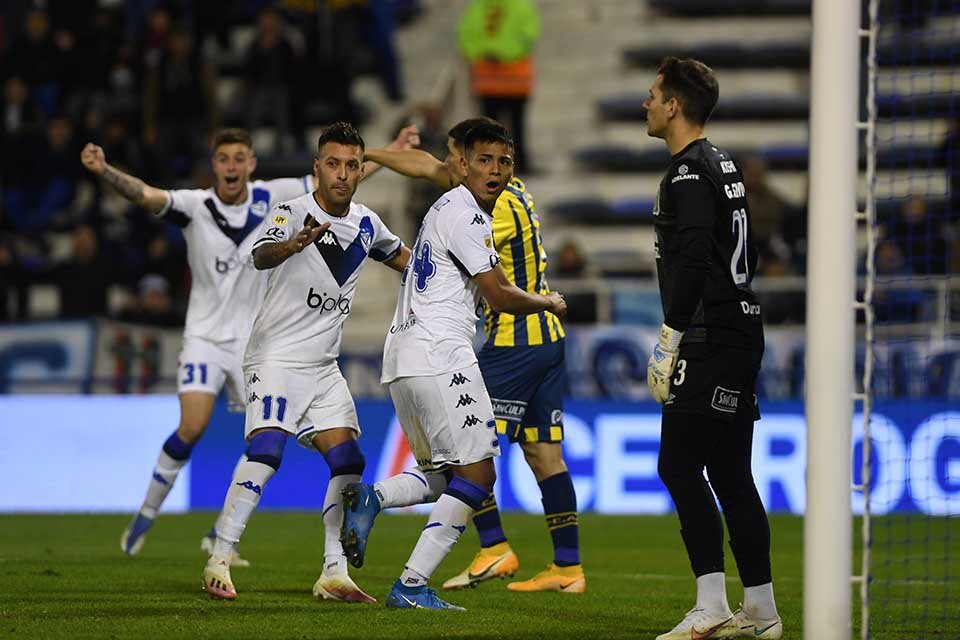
(683, 172)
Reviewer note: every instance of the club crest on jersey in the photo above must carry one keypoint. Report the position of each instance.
(259, 208)
(366, 237)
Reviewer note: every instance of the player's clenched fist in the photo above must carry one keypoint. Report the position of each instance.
(93, 159)
(558, 306)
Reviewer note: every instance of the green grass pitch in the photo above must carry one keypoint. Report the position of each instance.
(64, 576)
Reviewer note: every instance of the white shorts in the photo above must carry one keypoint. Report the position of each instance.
(204, 366)
(448, 419)
(300, 401)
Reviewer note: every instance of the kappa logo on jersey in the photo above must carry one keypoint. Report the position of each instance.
(285, 207)
(477, 219)
(471, 421)
(458, 379)
(328, 238)
(465, 400)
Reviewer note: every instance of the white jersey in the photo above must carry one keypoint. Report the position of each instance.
(308, 297)
(439, 303)
(225, 287)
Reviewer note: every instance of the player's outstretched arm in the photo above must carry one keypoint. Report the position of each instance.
(408, 138)
(505, 297)
(133, 189)
(400, 260)
(273, 254)
(414, 163)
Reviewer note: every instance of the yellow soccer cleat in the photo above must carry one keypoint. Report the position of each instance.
(217, 582)
(498, 561)
(554, 578)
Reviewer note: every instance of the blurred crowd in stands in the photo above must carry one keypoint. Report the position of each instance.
(141, 78)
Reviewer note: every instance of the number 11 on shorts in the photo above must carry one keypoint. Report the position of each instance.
(268, 407)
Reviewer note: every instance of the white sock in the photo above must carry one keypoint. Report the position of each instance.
(246, 487)
(164, 475)
(334, 562)
(447, 521)
(712, 593)
(410, 487)
(216, 527)
(758, 602)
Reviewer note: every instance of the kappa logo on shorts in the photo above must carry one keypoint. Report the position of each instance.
(725, 400)
(458, 379)
(253, 397)
(465, 400)
(254, 379)
(471, 421)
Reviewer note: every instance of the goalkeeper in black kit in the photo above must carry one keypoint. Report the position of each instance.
(704, 367)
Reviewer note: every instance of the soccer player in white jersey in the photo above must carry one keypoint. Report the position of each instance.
(431, 368)
(217, 224)
(314, 247)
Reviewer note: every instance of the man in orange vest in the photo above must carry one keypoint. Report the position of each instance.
(497, 38)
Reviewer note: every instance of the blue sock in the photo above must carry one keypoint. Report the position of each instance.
(487, 521)
(560, 507)
(177, 448)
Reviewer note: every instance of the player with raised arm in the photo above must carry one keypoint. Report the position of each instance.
(431, 368)
(217, 224)
(314, 248)
(704, 366)
(522, 362)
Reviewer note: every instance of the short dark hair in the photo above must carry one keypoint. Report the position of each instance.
(693, 84)
(232, 136)
(460, 130)
(487, 132)
(340, 133)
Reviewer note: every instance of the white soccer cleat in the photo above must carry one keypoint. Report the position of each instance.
(700, 624)
(746, 626)
(206, 545)
(340, 588)
(217, 581)
(133, 537)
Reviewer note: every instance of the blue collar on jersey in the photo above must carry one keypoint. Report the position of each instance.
(260, 202)
(343, 262)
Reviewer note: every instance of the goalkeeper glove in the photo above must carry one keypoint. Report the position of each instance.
(662, 363)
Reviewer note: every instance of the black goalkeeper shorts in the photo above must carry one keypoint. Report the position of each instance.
(714, 380)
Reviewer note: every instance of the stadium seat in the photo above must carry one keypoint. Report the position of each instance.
(944, 381)
(719, 8)
(628, 107)
(617, 158)
(785, 55)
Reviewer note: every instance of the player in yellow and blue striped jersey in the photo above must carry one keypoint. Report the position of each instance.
(522, 362)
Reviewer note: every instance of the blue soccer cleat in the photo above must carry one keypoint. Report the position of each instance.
(135, 534)
(360, 507)
(422, 597)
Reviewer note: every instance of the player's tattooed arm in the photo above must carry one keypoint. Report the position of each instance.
(273, 254)
(133, 189)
